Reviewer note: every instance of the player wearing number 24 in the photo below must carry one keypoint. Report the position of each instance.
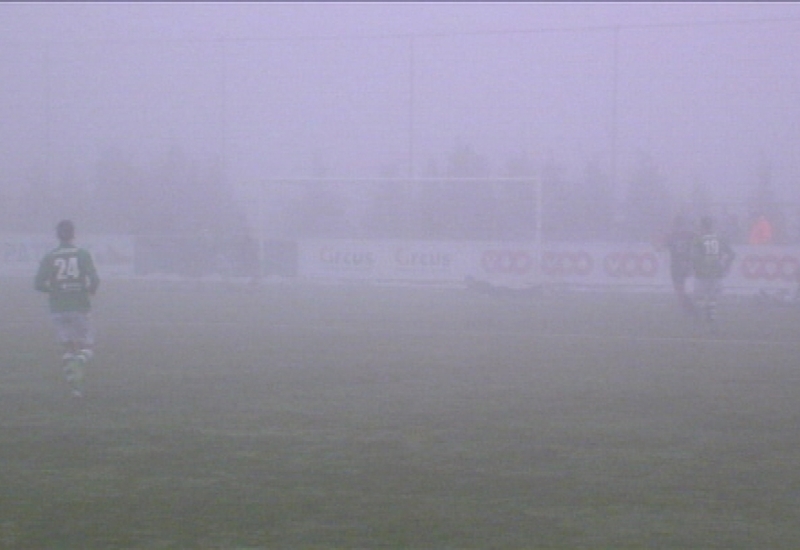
(69, 277)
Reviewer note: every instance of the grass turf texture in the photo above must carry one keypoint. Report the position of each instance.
(295, 416)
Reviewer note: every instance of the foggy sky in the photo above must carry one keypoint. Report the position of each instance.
(366, 88)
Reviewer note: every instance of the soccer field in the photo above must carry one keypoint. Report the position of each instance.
(308, 417)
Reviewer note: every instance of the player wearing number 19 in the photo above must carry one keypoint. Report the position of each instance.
(69, 277)
(713, 258)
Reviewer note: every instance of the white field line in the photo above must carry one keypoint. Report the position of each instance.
(428, 332)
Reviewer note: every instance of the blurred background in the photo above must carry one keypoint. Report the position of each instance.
(565, 122)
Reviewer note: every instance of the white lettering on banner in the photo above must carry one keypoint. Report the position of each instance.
(338, 258)
(565, 264)
(631, 264)
(408, 259)
(770, 267)
(595, 265)
(516, 262)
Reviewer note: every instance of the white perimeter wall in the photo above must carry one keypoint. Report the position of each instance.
(520, 265)
(516, 265)
(20, 254)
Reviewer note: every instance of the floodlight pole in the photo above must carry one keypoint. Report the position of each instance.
(410, 107)
(48, 113)
(223, 106)
(614, 79)
(538, 240)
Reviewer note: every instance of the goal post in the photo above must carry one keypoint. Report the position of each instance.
(398, 208)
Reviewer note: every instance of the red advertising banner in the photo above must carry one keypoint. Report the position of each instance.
(637, 265)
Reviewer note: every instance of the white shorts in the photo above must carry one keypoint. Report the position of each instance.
(707, 289)
(73, 326)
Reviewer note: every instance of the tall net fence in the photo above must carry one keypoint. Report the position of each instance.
(396, 208)
(99, 119)
(280, 212)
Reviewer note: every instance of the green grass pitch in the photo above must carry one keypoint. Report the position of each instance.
(308, 417)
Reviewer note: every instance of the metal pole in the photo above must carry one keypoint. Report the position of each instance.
(615, 77)
(411, 107)
(48, 138)
(539, 212)
(223, 108)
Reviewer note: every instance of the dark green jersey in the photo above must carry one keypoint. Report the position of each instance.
(712, 256)
(68, 275)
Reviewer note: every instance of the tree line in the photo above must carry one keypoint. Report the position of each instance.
(176, 197)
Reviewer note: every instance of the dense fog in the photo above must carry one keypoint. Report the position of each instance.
(169, 118)
(399, 275)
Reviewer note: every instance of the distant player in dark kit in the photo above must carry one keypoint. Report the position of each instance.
(713, 258)
(68, 275)
(680, 242)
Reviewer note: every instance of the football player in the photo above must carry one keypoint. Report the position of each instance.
(69, 277)
(713, 258)
(679, 243)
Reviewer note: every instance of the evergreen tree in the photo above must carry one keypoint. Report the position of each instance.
(471, 202)
(555, 201)
(648, 205)
(320, 212)
(519, 209)
(594, 204)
